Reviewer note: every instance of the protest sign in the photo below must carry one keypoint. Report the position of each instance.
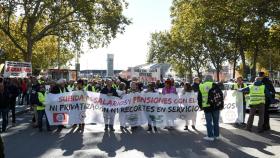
(132, 109)
(17, 69)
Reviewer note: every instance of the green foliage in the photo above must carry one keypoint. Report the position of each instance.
(44, 52)
(212, 32)
(74, 21)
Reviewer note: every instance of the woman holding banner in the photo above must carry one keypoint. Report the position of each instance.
(121, 92)
(169, 89)
(134, 88)
(188, 89)
(80, 87)
(109, 117)
(151, 123)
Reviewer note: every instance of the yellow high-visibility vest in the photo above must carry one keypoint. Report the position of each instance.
(42, 98)
(204, 89)
(257, 95)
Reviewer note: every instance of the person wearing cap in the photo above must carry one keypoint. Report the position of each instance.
(109, 117)
(257, 93)
(169, 89)
(211, 114)
(271, 95)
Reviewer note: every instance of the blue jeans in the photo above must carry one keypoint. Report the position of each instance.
(4, 114)
(212, 123)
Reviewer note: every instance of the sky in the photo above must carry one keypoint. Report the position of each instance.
(130, 48)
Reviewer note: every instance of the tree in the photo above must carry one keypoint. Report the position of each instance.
(198, 29)
(159, 47)
(270, 56)
(228, 28)
(73, 21)
(44, 52)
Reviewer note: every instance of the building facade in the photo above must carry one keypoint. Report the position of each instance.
(110, 65)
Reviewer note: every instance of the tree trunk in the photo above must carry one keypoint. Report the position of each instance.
(199, 74)
(28, 56)
(255, 57)
(190, 76)
(218, 73)
(234, 66)
(243, 59)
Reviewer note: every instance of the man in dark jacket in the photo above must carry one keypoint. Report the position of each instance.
(258, 92)
(127, 82)
(13, 91)
(271, 95)
(33, 100)
(109, 117)
(4, 106)
(2, 154)
(195, 85)
(62, 85)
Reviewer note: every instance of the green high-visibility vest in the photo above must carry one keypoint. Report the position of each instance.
(70, 88)
(204, 89)
(115, 86)
(235, 86)
(62, 91)
(42, 98)
(257, 95)
(86, 88)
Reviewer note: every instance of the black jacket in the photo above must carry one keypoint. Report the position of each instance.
(13, 91)
(33, 96)
(199, 98)
(55, 90)
(127, 82)
(269, 86)
(4, 100)
(195, 87)
(105, 90)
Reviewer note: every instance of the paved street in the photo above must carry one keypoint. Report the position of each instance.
(24, 141)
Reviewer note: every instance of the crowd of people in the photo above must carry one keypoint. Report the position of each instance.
(33, 91)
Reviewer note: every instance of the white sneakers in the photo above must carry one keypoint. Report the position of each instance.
(208, 138)
(211, 138)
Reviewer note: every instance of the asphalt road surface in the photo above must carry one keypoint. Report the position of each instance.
(23, 141)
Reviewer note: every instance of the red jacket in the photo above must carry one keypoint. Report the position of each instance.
(24, 87)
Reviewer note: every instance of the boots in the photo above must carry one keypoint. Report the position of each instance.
(106, 127)
(155, 128)
(149, 127)
(111, 128)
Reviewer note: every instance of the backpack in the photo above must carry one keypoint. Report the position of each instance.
(216, 98)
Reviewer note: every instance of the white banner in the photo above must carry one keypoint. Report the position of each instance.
(17, 69)
(132, 109)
